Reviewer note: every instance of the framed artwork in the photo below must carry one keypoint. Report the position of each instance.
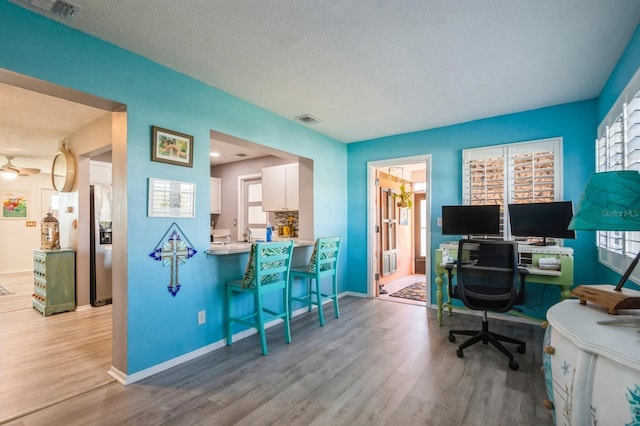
(169, 198)
(14, 205)
(171, 147)
(404, 216)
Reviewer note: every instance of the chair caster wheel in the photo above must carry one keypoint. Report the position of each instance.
(452, 338)
(513, 365)
(460, 354)
(521, 349)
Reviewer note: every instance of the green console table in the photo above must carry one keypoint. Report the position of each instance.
(54, 284)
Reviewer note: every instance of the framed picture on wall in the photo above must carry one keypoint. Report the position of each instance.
(171, 147)
(15, 205)
(404, 216)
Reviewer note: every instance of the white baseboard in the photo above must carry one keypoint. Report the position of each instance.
(493, 315)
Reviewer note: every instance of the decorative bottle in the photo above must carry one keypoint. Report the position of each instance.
(269, 232)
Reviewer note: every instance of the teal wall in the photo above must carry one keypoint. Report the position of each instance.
(575, 123)
(162, 327)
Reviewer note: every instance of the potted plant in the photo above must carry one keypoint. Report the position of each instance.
(404, 198)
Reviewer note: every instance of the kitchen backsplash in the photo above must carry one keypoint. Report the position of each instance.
(287, 219)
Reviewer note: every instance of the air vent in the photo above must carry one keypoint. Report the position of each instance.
(63, 9)
(307, 119)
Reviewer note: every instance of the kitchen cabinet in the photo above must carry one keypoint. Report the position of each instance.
(54, 284)
(280, 186)
(592, 369)
(214, 189)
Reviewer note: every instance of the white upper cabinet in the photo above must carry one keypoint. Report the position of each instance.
(215, 195)
(280, 188)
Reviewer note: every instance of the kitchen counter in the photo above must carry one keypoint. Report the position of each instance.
(244, 247)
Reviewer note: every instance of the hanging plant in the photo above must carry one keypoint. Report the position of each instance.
(404, 197)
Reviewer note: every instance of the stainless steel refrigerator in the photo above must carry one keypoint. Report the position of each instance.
(100, 248)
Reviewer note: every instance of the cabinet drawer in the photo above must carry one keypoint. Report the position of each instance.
(39, 270)
(614, 399)
(569, 369)
(41, 292)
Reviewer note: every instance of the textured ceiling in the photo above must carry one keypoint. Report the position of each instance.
(366, 69)
(32, 124)
(371, 68)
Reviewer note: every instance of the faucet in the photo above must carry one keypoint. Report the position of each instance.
(248, 234)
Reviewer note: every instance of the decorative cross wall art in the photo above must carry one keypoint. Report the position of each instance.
(175, 251)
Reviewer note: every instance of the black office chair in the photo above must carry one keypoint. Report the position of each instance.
(487, 279)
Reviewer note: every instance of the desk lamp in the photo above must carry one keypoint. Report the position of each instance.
(611, 202)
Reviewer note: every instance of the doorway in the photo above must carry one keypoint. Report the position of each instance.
(398, 234)
(85, 133)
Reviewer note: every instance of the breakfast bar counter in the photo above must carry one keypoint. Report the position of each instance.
(244, 247)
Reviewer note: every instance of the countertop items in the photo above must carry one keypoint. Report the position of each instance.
(244, 247)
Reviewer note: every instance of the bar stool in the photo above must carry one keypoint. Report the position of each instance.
(323, 263)
(267, 272)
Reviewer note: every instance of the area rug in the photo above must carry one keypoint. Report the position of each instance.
(4, 291)
(416, 291)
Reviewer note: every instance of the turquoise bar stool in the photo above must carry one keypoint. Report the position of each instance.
(267, 272)
(323, 263)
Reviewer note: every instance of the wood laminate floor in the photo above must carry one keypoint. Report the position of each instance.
(380, 363)
(44, 360)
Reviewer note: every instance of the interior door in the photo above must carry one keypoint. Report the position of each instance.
(253, 216)
(420, 233)
(388, 224)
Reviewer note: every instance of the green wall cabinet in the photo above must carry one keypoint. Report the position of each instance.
(54, 284)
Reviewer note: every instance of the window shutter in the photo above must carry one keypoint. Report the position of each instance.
(485, 181)
(525, 172)
(533, 177)
(618, 148)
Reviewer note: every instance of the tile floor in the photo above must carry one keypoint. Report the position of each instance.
(400, 284)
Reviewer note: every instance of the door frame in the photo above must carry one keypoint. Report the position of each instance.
(372, 212)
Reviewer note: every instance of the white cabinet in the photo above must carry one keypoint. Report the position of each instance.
(280, 188)
(215, 195)
(592, 370)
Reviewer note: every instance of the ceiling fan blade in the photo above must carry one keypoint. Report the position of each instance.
(26, 171)
(20, 171)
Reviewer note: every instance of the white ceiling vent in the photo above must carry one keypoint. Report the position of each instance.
(307, 119)
(63, 9)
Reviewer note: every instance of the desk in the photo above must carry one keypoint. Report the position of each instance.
(528, 255)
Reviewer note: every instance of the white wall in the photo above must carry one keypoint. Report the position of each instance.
(16, 239)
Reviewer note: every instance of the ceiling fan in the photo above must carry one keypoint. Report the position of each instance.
(9, 171)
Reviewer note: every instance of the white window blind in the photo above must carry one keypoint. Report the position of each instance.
(618, 148)
(524, 172)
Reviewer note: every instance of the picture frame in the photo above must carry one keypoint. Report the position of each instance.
(404, 216)
(15, 205)
(169, 198)
(171, 147)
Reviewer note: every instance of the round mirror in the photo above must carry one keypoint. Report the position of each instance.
(63, 171)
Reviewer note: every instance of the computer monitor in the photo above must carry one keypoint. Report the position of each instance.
(471, 220)
(542, 220)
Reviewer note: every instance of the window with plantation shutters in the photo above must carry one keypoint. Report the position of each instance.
(524, 172)
(618, 148)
